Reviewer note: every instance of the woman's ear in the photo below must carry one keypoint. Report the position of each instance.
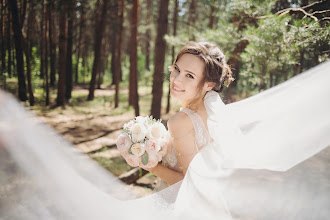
(209, 86)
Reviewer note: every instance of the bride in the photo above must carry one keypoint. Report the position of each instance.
(198, 69)
(266, 157)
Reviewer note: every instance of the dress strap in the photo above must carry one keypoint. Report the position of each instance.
(202, 137)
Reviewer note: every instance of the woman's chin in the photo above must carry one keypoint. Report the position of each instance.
(175, 94)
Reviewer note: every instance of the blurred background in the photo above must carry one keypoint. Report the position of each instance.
(88, 66)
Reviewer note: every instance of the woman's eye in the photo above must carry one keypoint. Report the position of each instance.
(177, 69)
(190, 76)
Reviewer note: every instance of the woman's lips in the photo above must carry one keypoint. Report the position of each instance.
(175, 89)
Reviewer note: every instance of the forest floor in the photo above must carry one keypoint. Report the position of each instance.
(93, 128)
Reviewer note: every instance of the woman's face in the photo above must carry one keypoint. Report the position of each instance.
(185, 78)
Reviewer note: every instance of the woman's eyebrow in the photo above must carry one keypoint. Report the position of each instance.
(186, 70)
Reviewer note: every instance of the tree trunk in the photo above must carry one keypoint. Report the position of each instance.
(192, 18)
(60, 101)
(9, 16)
(212, 12)
(19, 51)
(46, 45)
(133, 82)
(2, 39)
(113, 54)
(69, 75)
(148, 34)
(42, 42)
(52, 45)
(13, 55)
(235, 60)
(119, 49)
(81, 27)
(44, 51)
(175, 21)
(99, 30)
(84, 58)
(28, 53)
(160, 49)
(301, 60)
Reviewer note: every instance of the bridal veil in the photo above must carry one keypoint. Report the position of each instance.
(269, 159)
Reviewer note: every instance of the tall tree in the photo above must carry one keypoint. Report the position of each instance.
(69, 75)
(99, 31)
(52, 45)
(42, 41)
(114, 49)
(133, 82)
(192, 18)
(119, 49)
(235, 60)
(19, 51)
(212, 12)
(62, 54)
(2, 37)
(46, 45)
(8, 34)
(175, 21)
(81, 27)
(44, 50)
(148, 33)
(28, 51)
(160, 50)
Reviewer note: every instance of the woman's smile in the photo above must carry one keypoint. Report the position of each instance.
(176, 88)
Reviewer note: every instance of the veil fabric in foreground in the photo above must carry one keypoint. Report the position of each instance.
(269, 159)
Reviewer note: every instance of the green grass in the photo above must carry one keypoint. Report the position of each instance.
(116, 165)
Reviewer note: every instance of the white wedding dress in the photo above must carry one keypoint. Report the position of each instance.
(269, 160)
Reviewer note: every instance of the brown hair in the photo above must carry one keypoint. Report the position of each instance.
(216, 69)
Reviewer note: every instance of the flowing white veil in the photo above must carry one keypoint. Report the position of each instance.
(269, 160)
(270, 155)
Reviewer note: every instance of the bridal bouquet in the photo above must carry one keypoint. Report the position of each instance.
(143, 142)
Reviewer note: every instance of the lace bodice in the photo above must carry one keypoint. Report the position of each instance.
(202, 138)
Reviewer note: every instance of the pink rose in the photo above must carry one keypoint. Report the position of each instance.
(132, 160)
(164, 144)
(123, 142)
(152, 162)
(152, 147)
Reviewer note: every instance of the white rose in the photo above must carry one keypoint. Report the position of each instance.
(157, 130)
(138, 131)
(138, 149)
(140, 119)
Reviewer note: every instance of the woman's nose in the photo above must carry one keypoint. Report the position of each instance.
(177, 78)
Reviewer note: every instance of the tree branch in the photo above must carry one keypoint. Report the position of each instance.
(287, 10)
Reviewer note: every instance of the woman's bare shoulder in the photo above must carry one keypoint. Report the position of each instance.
(179, 125)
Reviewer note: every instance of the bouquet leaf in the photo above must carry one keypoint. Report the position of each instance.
(145, 158)
(130, 151)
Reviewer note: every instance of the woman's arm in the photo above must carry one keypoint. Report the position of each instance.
(169, 176)
(181, 129)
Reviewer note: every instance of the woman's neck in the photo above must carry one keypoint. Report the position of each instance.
(195, 106)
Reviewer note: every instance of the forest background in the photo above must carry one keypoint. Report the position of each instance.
(88, 66)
